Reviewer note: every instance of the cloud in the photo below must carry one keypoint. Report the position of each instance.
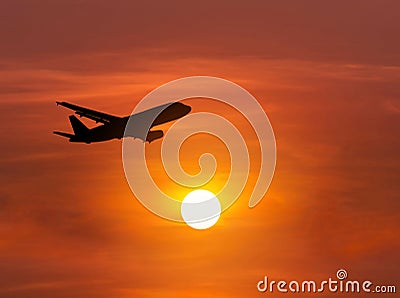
(351, 32)
(392, 106)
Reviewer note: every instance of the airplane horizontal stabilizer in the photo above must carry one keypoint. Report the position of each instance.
(63, 134)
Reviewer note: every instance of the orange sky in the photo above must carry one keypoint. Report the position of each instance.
(326, 74)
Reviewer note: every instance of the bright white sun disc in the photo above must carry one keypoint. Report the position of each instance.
(200, 209)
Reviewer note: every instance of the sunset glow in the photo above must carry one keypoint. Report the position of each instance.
(327, 73)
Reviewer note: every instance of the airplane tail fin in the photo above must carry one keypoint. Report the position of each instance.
(78, 127)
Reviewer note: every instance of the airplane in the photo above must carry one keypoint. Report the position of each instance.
(114, 127)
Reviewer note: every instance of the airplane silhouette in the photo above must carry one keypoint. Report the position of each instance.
(113, 127)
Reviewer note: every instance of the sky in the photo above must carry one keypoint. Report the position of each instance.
(326, 73)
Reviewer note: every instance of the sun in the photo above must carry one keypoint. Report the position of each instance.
(201, 209)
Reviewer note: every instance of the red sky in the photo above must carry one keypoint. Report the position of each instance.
(327, 74)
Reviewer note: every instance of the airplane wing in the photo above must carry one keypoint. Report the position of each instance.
(88, 113)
